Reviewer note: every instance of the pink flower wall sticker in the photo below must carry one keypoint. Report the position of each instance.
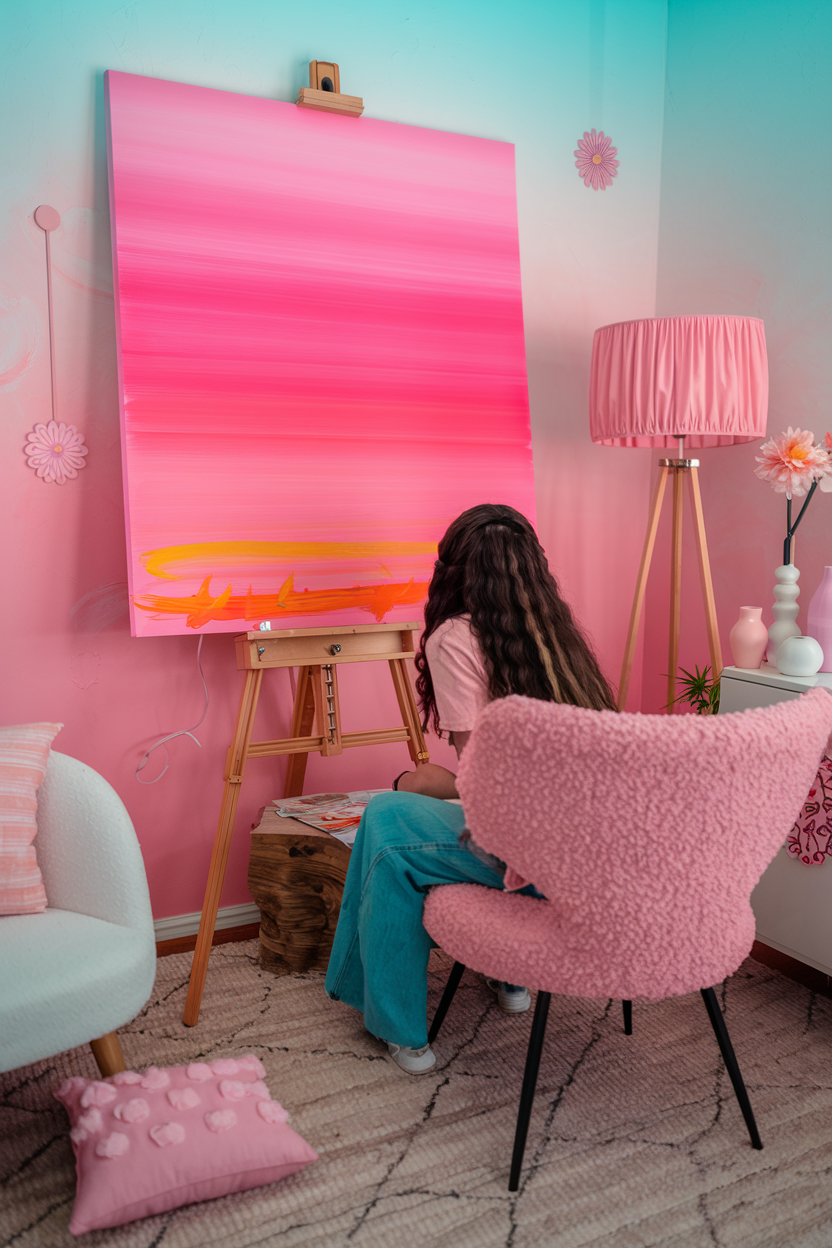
(596, 162)
(55, 451)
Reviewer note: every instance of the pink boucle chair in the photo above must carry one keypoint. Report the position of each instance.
(645, 833)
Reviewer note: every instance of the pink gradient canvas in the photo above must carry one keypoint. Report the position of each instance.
(321, 354)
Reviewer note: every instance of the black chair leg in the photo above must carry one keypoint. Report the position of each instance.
(447, 997)
(541, 1013)
(628, 1017)
(729, 1057)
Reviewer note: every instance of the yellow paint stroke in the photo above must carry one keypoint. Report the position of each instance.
(173, 563)
(204, 608)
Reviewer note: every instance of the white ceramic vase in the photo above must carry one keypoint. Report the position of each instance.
(785, 609)
(799, 656)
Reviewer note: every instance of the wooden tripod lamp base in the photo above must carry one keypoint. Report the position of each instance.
(678, 470)
(691, 381)
(316, 653)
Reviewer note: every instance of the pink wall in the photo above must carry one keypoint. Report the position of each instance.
(586, 258)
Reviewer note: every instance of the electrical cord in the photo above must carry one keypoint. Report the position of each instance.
(183, 732)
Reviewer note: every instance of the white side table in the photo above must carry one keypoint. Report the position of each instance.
(792, 902)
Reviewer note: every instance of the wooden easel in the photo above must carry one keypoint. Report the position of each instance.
(678, 468)
(316, 652)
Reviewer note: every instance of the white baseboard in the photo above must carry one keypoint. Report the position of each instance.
(179, 925)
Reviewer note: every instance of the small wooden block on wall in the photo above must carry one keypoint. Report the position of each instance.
(325, 76)
(324, 91)
(296, 876)
(329, 102)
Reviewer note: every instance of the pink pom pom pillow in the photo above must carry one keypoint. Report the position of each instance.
(24, 753)
(151, 1142)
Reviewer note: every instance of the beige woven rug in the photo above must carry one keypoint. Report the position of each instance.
(634, 1141)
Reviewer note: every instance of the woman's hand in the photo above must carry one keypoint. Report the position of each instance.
(430, 780)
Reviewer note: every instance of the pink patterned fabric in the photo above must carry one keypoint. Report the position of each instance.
(177, 1142)
(705, 377)
(24, 753)
(646, 833)
(811, 835)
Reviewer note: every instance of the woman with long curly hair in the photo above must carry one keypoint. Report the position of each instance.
(495, 624)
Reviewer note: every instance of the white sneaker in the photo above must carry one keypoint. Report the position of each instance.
(511, 998)
(414, 1061)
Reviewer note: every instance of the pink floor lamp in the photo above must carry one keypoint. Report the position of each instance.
(686, 381)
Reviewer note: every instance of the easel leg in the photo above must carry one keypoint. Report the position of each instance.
(303, 717)
(410, 714)
(641, 585)
(675, 588)
(705, 577)
(235, 768)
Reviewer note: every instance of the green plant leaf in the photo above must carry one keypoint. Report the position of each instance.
(698, 690)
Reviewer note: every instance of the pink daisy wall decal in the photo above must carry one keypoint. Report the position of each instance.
(596, 161)
(55, 451)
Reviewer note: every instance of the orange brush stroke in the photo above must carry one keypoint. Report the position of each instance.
(196, 558)
(203, 608)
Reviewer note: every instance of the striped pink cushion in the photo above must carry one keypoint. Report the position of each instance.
(24, 753)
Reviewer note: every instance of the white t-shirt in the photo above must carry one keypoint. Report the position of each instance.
(460, 683)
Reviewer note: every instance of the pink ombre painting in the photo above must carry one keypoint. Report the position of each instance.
(321, 354)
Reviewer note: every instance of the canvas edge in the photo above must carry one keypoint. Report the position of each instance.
(532, 519)
(117, 311)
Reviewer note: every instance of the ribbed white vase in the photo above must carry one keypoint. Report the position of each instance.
(785, 609)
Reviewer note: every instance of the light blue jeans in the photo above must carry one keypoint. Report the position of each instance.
(405, 845)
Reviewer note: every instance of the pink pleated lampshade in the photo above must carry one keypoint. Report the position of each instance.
(701, 377)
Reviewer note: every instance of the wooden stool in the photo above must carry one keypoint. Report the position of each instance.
(296, 876)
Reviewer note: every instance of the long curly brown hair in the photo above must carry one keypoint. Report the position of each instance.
(492, 567)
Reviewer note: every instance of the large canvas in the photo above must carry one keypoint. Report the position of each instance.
(321, 354)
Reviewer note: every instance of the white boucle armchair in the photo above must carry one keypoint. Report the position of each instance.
(86, 965)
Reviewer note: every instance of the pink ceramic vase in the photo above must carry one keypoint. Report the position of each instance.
(819, 623)
(749, 638)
